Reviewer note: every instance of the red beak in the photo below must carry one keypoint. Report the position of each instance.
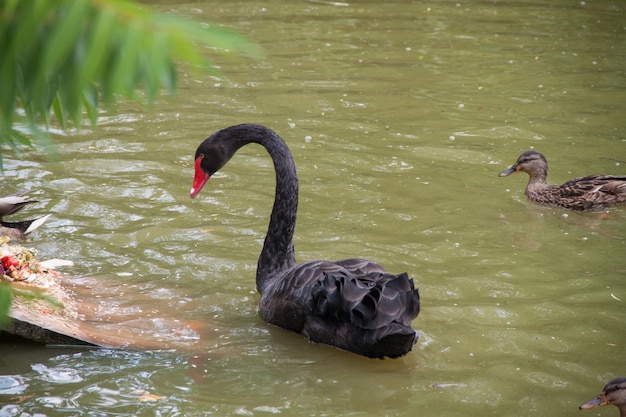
(199, 178)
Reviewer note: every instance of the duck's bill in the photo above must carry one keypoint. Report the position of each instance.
(596, 402)
(507, 172)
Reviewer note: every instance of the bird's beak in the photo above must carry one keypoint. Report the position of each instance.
(199, 178)
(508, 172)
(600, 400)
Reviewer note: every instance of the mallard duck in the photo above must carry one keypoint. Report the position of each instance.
(17, 230)
(583, 193)
(614, 392)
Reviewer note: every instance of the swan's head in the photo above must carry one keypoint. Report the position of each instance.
(214, 152)
(210, 157)
(531, 162)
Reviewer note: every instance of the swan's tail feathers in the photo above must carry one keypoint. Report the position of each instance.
(392, 299)
(370, 302)
(397, 342)
(374, 312)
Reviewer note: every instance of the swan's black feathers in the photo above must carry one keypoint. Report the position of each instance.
(368, 301)
(363, 300)
(352, 304)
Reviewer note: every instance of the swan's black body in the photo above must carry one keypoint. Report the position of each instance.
(351, 304)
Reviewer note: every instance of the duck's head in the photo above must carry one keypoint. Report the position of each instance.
(614, 392)
(531, 162)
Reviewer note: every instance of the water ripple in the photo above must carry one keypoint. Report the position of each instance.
(13, 384)
(57, 375)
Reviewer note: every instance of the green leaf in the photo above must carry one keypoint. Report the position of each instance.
(90, 101)
(101, 37)
(5, 304)
(59, 112)
(65, 33)
(62, 57)
(124, 64)
(22, 138)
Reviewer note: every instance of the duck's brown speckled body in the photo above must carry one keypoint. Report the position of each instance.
(593, 192)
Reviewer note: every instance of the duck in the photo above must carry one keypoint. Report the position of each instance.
(614, 392)
(11, 204)
(590, 193)
(353, 304)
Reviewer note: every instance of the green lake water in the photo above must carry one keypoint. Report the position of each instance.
(400, 115)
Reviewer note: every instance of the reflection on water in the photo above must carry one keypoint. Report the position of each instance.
(400, 117)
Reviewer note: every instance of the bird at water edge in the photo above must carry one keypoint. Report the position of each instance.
(11, 204)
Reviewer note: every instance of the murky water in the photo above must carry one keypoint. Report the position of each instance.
(400, 116)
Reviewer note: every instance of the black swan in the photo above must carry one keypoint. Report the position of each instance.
(583, 193)
(614, 392)
(11, 204)
(351, 304)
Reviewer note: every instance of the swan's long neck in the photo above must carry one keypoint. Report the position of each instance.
(278, 253)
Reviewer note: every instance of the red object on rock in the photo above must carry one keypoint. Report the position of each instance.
(9, 261)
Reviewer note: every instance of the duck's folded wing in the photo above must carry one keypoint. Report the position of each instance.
(594, 191)
(594, 184)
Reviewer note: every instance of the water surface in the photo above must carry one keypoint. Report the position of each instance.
(400, 116)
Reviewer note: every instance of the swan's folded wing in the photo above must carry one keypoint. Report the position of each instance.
(370, 301)
(366, 313)
(358, 266)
